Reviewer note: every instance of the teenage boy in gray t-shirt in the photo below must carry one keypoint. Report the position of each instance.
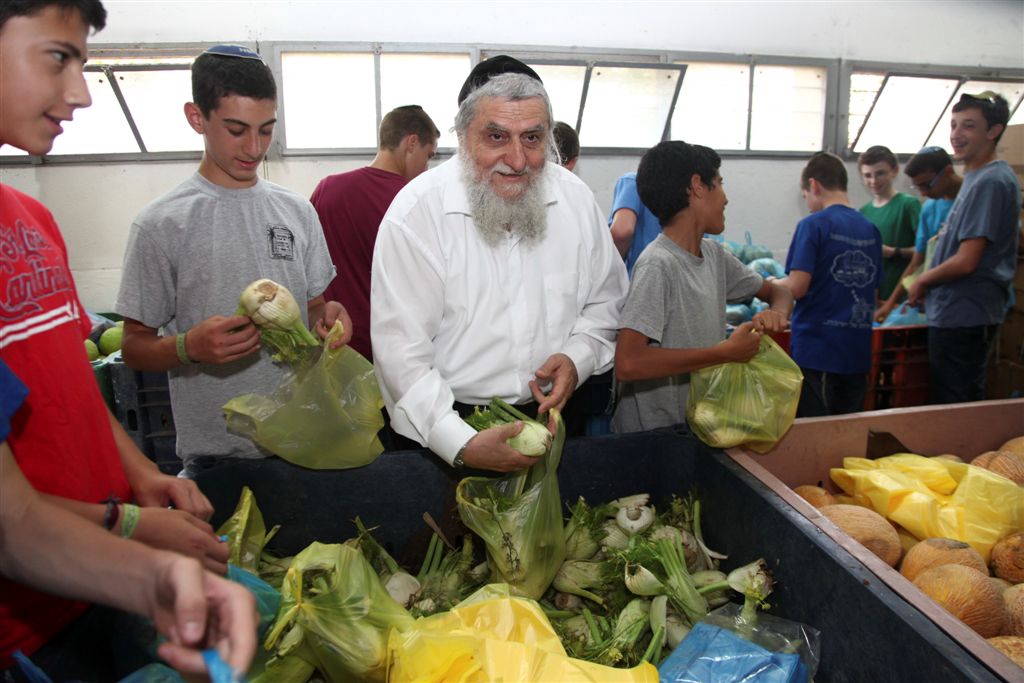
(192, 252)
(673, 321)
(975, 257)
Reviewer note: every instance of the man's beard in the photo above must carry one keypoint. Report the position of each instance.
(524, 216)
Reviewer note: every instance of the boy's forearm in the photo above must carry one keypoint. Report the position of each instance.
(133, 461)
(49, 545)
(654, 362)
(143, 349)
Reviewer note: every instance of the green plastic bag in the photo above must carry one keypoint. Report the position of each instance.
(323, 416)
(752, 403)
(335, 613)
(519, 517)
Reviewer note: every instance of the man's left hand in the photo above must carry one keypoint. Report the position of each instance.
(560, 372)
(155, 489)
(334, 311)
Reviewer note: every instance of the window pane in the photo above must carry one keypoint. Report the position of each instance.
(564, 84)
(100, 128)
(863, 88)
(646, 94)
(9, 151)
(429, 80)
(905, 113)
(788, 108)
(723, 126)
(1018, 116)
(156, 99)
(1011, 91)
(329, 100)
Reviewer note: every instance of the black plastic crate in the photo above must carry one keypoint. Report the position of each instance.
(868, 632)
(142, 404)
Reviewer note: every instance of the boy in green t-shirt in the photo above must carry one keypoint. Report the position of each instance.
(895, 214)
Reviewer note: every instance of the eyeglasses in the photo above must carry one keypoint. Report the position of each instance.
(926, 187)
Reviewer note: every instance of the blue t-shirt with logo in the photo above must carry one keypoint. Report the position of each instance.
(987, 206)
(933, 216)
(831, 324)
(647, 225)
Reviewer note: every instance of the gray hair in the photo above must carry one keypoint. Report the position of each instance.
(510, 86)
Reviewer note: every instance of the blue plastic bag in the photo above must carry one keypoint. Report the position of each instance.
(726, 648)
(767, 267)
(711, 654)
(904, 315)
(268, 599)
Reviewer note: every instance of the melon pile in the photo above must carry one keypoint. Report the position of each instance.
(989, 598)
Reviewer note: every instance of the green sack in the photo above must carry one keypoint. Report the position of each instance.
(519, 517)
(323, 416)
(752, 403)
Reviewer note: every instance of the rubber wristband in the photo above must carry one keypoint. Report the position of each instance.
(179, 342)
(130, 519)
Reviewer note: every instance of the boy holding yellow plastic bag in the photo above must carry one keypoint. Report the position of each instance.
(673, 321)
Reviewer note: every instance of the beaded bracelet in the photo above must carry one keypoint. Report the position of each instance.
(131, 515)
(111, 514)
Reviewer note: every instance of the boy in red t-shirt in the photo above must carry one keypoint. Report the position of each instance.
(64, 439)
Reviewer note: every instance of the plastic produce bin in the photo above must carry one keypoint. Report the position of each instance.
(142, 404)
(813, 446)
(868, 632)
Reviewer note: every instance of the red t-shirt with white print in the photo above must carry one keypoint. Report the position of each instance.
(61, 435)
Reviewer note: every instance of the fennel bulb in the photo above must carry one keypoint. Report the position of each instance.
(274, 310)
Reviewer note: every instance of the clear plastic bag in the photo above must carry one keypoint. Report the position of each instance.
(752, 403)
(725, 648)
(323, 416)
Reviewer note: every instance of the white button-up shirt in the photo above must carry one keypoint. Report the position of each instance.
(455, 319)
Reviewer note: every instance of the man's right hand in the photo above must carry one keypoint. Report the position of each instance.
(743, 343)
(488, 450)
(222, 339)
(183, 533)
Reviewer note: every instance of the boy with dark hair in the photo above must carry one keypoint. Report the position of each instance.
(351, 206)
(57, 429)
(932, 174)
(975, 258)
(673, 321)
(193, 251)
(895, 214)
(833, 269)
(568, 144)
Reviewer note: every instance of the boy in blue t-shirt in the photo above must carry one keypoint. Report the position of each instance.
(834, 270)
(932, 174)
(632, 224)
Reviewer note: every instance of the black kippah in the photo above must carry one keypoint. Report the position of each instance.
(487, 69)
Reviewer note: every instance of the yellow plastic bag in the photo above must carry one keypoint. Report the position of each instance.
(751, 403)
(936, 498)
(324, 416)
(494, 636)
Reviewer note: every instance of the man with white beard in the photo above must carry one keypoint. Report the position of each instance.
(493, 275)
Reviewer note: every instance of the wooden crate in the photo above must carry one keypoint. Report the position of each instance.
(813, 446)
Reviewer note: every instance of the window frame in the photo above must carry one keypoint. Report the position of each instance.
(961, 74)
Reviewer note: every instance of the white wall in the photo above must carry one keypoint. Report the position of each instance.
(94, 204)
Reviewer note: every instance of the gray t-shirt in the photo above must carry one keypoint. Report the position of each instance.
(988, 206)
(677, 300)
(190, 254)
